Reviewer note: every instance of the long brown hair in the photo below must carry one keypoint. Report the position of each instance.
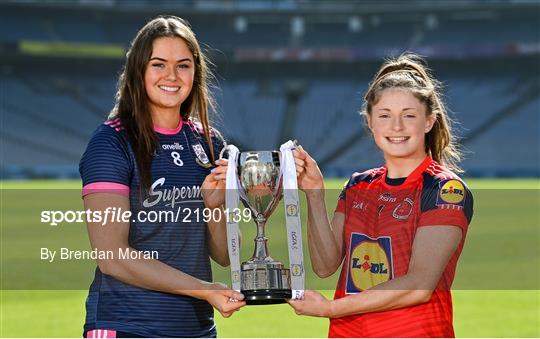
(409, 71)
(131, 104)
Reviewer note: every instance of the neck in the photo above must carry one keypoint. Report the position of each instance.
(403, 167)
(168, 119)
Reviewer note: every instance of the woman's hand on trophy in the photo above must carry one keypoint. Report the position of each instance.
(310, 179)
(225, 300)
(213, 186)
(314, 304)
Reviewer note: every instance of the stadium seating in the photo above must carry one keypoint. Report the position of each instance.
(50, 112)
(251, 114)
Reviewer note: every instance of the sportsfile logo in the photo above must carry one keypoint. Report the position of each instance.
(113, 215)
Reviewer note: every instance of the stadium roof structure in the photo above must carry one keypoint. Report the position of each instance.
(285, 6)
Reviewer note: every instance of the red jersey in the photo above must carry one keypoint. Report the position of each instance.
(381, 219)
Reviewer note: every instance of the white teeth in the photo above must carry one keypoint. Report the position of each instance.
(397, 139)
(169, 89)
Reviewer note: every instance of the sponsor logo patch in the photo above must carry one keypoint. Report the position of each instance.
(292, 210)
(451, 192)
(359, 205)
(296, 270)
(387, 197)
(370, 262)
(235, 276)
(175, 147)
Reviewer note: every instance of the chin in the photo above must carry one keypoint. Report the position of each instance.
(170, 104)
(397, 153)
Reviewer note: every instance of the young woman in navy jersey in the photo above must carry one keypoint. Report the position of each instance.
(155, 153)
(398, 230)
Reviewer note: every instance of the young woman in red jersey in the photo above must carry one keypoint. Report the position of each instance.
(398, 230)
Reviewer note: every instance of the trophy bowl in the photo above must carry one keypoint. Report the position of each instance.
(263, 279)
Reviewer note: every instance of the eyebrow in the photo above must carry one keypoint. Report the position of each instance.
(165, 60)
(404, 109)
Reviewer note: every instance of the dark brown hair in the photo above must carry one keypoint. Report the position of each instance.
(132, 101)
(409, 71)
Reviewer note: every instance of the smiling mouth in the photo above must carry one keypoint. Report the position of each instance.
(397, 140)
(170, 89)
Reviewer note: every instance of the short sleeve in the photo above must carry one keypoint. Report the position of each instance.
(340, 207)
(105, 165)
(355, 179)
(446, 202)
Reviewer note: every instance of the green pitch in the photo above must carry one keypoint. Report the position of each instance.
(496, 288)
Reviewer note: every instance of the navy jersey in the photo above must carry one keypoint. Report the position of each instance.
(109, 165)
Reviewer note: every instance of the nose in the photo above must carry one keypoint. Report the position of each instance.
(171, 74)
(397, 123)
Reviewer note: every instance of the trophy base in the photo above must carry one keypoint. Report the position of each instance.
(266, 297)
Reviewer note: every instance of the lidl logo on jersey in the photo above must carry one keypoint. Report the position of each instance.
(451, 192)
(370, 262)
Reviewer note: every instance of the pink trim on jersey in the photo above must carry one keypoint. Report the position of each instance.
(112, 122)
(101, 334)
(105, 187)
(169, 131)
(198, 127)
(116, 124)
(430, 171)
(441, 172)
(371, 172)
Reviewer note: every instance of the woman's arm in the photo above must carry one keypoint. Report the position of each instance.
(433, 247)
(213, 189)
(217, 237)
(325, 239)
(148, 273)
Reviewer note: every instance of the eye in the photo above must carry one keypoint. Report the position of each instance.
(384, 115)
(158, 65)
(410, 115)
(183, 66)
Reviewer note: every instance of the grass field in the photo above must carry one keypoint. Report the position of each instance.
(496, 289)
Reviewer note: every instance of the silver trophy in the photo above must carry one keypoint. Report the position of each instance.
(263, 279)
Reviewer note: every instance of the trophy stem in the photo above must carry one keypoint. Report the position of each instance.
(261, 248)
